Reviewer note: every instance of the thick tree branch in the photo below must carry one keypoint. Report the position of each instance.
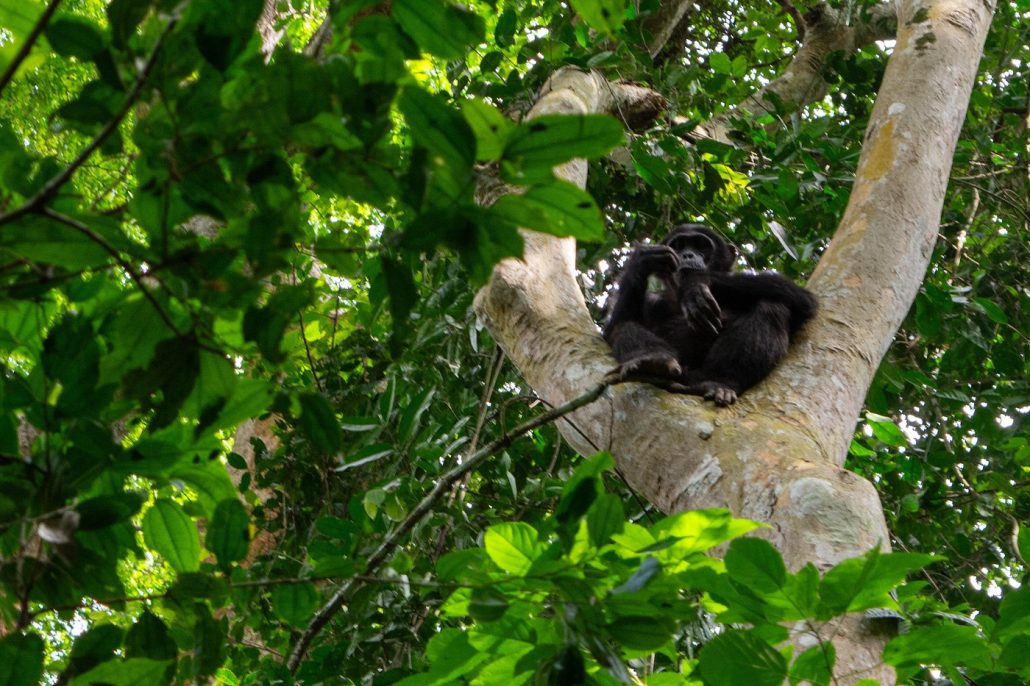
(775, 456)
(872, 270)
(659, 26)
(826, 30)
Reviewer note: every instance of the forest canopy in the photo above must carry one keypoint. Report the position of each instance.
(252, 430)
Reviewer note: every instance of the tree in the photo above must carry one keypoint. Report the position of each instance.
(239, 221)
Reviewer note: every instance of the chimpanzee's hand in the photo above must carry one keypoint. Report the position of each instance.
(654, 259)
(701, 308)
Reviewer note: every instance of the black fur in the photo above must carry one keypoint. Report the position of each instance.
(708, 331)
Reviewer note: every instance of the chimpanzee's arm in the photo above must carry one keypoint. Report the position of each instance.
(742, 291)
(631, 296)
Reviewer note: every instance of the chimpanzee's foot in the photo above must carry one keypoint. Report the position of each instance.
(710, 390)
(654, 363)
(721, 395)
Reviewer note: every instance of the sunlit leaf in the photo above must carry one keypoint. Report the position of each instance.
(169, 531)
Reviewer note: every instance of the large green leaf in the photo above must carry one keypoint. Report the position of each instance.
(491, 128)
(50, 242)
(228, 532)
(21, 659)
(558, 208)
(73, 36)
(642, 632)
(864, 582)
(169, 531)
(513, 546)
(541, 143)
(944, 645)
(294, 603)
(137, 671)
(755, 564)
(437, 126)
(318, 421)
(440, 28)
(739, 657)
(604, 15)
(814, 666)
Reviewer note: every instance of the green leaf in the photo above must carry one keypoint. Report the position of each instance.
(318, 421)
(541, 143)
(490, 127)
(105, 510)
(167, 381)
(450, 656)
(492, 243)
(295, 603)
(169, 531)
(228, 534)
(192, 586)
(720, 63)
(885, 430)
(559, 208)
(944, 645)
(135, 671)
(992, 310)
(136, 332)
(739, 657)
(863, 582)
(802, 590)
(437, 126)
(266, 325)
(149, 637)
(94, 647)
(504, 32)
(739, 66)
(223, 30)
(22, 658)
(645, 572)
(455, 565)
(755, 564)
(71, 36)
(1015, 654)
(642, 633)
(605, 519)
(815, 665)
(208, 642)
(699, 530)
(123, 16)
(603, 15)
(50, 242)
(438, 27)
(487, 604)
(403, 295)
(577, 497)
(512, 546)
(1014, 612)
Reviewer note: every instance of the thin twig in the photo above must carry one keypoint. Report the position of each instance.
(51, 187)
(393, 539)
(30, 40)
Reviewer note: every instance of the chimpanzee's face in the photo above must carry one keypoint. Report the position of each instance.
(694, 249)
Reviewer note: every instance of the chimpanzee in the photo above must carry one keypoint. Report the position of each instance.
(708, 331)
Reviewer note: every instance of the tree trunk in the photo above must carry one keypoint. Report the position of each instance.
(776, 456)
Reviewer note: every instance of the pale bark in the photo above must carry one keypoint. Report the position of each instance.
(270, 36)
(776, 455)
